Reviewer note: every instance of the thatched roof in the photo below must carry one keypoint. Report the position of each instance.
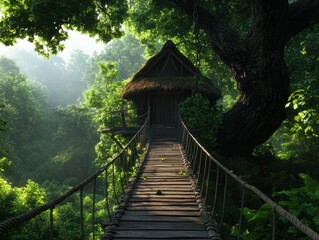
(169, 70)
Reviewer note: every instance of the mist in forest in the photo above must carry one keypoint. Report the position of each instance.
(49, 132)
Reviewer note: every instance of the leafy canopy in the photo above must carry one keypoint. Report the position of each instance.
(46, 22)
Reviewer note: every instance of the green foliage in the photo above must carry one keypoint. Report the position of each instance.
(159, 192)
(104, 97)
(31, 195)
(302, 202)
(74, 140)
(7, 199)
(17, 200)
(126, 52)
(46, 22)
(198, 114)
(23, 113)
(4, 163)
(8, 66)
(297, 140)
(56, 146)
(3, 144)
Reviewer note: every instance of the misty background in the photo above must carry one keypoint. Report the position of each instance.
(62, 75)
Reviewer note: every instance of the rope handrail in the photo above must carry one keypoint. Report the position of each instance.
(186, 136)
(8, 224)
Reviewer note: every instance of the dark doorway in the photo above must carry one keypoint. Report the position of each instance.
(164, 109)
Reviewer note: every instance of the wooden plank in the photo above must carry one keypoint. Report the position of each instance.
(162, 181)
(159, 226)
(166, 192)
(163, 208)
(163, 213)
(154, 154)
(179, 171)
(166, 148)
(165, 152)
(165, 160)
(167, 174)
(166, 188)
(168, 177)
(136, 218)
(163, 192)
(148, 183)
(169, 167)
(163, 188)
(161, 234)
(164, 164)
(117, 238)
(162, 159)
(155, 204)
(154, 199)
(148, 198)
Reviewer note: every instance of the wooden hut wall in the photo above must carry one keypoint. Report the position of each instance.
(164, 107)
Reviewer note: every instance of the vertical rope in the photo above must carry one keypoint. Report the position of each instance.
(216, 189)
(200, 166)
(194, 151)
(114, 187)
(241, 211)
(121, 172)
(107, 205)
(224, 201)
(207, 180)
(194, 160)
(204, 175)
(125, 169)
(93, 208)
(51, 223)
(81, 213)
(187, 148)
(273, 235)
(183, 136)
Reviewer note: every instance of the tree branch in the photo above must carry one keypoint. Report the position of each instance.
(224, 40)
(269, 20)
(301, 15)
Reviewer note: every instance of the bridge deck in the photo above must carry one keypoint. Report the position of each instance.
(163, 205)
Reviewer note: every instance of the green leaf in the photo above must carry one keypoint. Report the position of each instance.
(159, 192)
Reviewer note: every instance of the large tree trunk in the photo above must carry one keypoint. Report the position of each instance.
(257, 64)
(260, 109)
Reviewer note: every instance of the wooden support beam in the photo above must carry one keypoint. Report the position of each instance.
(124, 131)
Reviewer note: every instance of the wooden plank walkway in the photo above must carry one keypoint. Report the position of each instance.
(163, 205)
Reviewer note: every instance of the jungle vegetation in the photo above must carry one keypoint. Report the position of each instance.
(262, 54)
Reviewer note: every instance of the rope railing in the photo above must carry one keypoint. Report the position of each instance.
(124, 164)
(201, 167)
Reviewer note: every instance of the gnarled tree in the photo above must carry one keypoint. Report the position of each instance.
(257, 63)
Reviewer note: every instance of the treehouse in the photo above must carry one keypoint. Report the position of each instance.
(163, 82)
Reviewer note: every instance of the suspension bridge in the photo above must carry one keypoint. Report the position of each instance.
(170, 188)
